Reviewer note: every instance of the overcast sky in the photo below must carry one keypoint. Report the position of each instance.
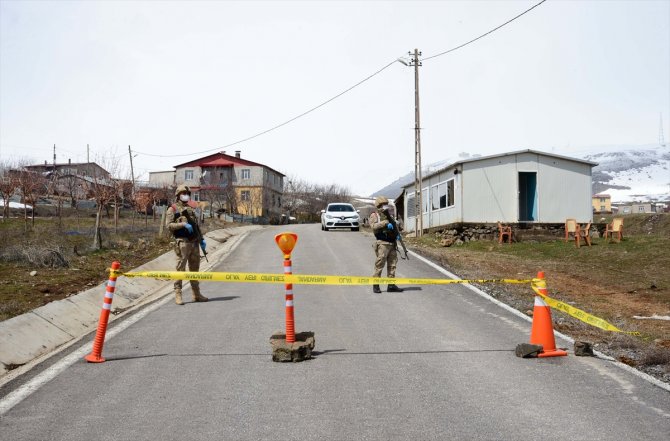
(177, 78)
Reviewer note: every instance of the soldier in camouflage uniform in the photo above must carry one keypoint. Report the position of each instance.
(385, 246)
(186, 245)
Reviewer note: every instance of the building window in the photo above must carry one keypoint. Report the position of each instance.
(424, 200)
(602, 200)
(246, 173)
(411, 205)
(273, 200)
(196, 196)
(640, 209)
(442, 195)
(602, 208)
(188, 175)
(246, 195)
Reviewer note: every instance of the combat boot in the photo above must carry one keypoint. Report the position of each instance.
(376, 290)
(177, 297)
(393, 288)
(197, 297)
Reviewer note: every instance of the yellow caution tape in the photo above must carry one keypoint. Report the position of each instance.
(578, 313)
(310, 279)
(301, 279)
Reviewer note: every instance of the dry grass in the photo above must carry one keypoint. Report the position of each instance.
(615, 281)
(63, 259)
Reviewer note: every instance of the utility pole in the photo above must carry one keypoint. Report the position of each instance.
(88, 161)
(132, 173)
(54, 158)
(417, 146)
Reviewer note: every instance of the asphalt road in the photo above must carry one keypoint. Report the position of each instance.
(429, 363)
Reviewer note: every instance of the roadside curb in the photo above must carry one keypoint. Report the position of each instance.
(36, 334)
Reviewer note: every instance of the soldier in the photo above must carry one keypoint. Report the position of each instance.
(182, 223)
(386, 248)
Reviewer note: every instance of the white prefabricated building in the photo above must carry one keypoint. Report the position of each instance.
(525, 186)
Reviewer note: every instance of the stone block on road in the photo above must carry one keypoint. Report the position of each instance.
(299, 351)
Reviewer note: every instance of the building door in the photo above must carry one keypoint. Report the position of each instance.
(527, 196)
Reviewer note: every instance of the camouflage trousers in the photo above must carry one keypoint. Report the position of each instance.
(187, 253)
(386, 255)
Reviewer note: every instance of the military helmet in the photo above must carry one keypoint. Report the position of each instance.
(381, 200)
(182, 189)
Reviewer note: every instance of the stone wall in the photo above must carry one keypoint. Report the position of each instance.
(458, 234)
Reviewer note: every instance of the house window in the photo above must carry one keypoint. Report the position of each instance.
(450, 193)
(246, 195)
(424, 200)
(602, 200)
(196, 196)
(273, 200)
(640, 209)
(411, 205)
(442, 195)
(602, 208)
(246, 173)
(188, 175)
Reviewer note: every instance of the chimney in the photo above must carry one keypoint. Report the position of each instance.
(45, 162)
(69, 161)
(237, 153)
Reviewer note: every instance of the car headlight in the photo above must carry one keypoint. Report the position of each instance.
(329, 216)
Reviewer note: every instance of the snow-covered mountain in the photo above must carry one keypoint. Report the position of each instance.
(627, 173)
(630, 173)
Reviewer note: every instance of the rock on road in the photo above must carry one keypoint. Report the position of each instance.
(433, 362)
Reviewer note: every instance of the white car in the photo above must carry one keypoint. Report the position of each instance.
(340, 215)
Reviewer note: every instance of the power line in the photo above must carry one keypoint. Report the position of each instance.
(484, 35)
(278, 125)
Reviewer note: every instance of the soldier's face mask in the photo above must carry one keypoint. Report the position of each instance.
(184, 197)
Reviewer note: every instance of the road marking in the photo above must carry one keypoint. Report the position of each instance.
(21, 393)
(523, 316)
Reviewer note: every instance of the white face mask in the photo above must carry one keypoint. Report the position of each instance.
(184, 197)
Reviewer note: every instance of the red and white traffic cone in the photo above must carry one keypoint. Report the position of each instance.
(542, 331)
(96, 354)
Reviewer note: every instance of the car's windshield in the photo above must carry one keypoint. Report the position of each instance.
(340, 207)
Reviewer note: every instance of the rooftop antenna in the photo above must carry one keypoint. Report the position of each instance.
(661, 140)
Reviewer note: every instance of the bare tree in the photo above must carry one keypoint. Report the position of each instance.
(305, 200)
(32, 186)
(8, 186)
(103, 189)
(72, 186)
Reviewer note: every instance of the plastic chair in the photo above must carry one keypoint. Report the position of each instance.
(584, 233)
(571, 227)
(616, 227)
(504, 230)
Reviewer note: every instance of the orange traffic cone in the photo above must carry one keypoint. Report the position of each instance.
(542, 331)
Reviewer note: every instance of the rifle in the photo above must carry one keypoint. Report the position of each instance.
(196, 230)
(399, 236)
